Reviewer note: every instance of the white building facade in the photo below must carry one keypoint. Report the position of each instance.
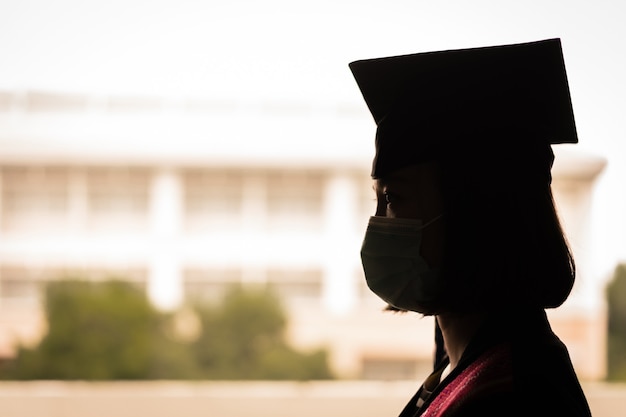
(188, 196)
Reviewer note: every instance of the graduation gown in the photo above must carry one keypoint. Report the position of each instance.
(514, 366)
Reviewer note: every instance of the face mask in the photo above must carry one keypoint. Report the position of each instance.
(394, 269)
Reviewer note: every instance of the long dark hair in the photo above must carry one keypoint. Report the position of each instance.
(505, 246)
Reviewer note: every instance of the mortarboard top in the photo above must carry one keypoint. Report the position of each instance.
(493, 105)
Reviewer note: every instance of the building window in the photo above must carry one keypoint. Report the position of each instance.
(209, 284)
(296, 284)
(295, 200)
(34, 198)
(52, 102)
(135, 275)
(213, 199)
(26, 285)
(118, 198)
(276, 200)
(6, 100)
(20, 285)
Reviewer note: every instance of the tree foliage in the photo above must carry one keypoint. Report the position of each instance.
(109, 330)
(616, 300)
(244, 340)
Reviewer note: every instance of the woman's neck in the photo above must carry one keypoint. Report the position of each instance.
(458, 330)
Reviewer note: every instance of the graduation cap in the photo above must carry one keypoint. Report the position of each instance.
(498, 107)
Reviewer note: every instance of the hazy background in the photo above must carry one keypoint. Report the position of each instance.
(255, 50)
(285, 63)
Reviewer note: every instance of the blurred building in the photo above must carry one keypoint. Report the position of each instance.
(186, 196)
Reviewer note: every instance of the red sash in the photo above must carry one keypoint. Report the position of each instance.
(487, 375)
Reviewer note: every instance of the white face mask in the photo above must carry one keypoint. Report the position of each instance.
(394, 269)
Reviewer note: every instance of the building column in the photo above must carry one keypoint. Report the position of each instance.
(77, 205)
(165, 280)
(339, 289)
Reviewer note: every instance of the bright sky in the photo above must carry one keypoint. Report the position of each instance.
(252, 49)
(279, 48)
(267, 46)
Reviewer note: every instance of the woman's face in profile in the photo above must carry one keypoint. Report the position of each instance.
(414, 192)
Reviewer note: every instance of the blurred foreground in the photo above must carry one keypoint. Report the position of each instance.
(234, 399)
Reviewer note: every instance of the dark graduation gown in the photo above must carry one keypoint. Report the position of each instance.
(514, 366)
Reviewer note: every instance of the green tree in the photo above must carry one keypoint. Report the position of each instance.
(243, 338)
(616, 300)
(101, 331)
(109, 330)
